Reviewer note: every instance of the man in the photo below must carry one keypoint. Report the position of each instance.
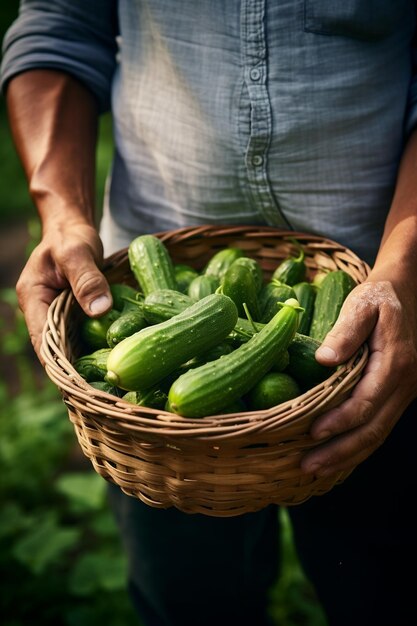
(298, 114)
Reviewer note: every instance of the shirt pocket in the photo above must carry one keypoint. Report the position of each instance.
(369, 20)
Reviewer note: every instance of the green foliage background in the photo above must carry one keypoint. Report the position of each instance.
(61, 560)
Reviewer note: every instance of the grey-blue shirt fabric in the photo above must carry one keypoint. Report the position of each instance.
(292, 113)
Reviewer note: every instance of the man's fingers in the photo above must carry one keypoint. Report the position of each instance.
(35, 308)
(89, 285)
(355, 323)
(368, 396)
(346, 451)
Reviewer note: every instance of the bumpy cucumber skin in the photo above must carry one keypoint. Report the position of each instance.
(291, 270)
(145, 358)
(93, 367)
(220, 262)
(124, 296)
(303, 365)
(305, 293)
(270, 294)
(202, 286)
(239, 284)
(94, 330)
(184, 275)
(163, 304)
(331, 295)
(273, 388)
(130, 321)
(254, 268)
(206, 390)
(151, 264)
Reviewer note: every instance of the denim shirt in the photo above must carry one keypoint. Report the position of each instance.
(292, 113)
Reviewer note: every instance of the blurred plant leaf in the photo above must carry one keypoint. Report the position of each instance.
(98, 571)
(84, 490)
(12, 520)
(45, 543)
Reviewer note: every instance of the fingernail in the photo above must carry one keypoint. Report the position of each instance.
(99, 305)
(327, 353)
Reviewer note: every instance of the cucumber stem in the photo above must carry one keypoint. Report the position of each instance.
(300, 249)
(249, 316)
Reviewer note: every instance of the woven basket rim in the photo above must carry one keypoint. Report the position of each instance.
(136, 419)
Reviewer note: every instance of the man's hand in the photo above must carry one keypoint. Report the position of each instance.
(385, 317)
(66, 257)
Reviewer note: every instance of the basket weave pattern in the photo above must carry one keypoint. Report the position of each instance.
(221, 465)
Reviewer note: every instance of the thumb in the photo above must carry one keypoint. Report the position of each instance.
(353, 326)
(89, 285)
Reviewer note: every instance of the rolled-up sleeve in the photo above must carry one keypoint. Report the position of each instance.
(74, 36)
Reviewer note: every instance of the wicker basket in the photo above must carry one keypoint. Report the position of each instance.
(221, 465)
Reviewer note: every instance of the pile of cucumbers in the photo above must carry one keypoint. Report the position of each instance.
(221, 340)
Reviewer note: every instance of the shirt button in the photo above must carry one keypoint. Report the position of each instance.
(255, 74)
(257, 160)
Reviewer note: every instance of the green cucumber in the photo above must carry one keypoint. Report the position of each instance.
(145, 358)
(151, 264)
(93, 367)
(303, 365)
(220, 262)
(210, 388)
(273, 388)
(239, 283)
(94, 329)
(254, 268)
(333, 290)
(153, 398)
(102, 385)
(271, 294)
(292, 270)
(163, 304)
(184, 275)
(202, 286)
(305, 293)
(130, 321)
(124, 296)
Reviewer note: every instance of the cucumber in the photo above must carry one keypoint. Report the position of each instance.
(305, 293)
(151, 264)
(101, 385)
(129, 322)
(239, 283)
(184, 275)
(220, 262)
(94, 330)
(124, 296)
(202, 286)
(153, 398)
(282, 360)
(211, 355)
(210, 388)
(163, 304)
(273, 388)
(303, 365)
(291, 270)
(244, 329)
(254, 268)
(93, 367)
(333, 290)
(271, 294)
(145, 358)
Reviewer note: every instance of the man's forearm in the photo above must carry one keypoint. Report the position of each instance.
(53, 119)
(398, 250)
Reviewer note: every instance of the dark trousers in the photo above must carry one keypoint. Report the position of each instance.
(357, 544)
